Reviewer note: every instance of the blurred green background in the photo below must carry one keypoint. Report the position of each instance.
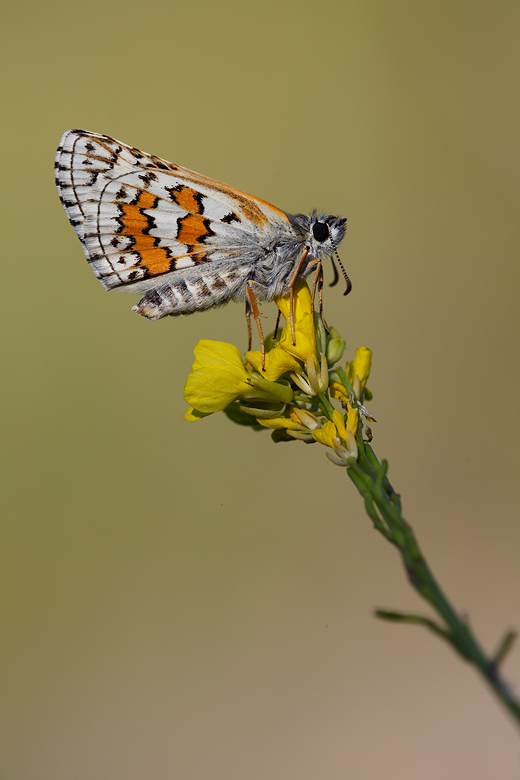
(188, 600)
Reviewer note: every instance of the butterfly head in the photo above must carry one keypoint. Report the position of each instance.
(324, 233)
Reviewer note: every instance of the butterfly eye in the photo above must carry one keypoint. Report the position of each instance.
(320, 231)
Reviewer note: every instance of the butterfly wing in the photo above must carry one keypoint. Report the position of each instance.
(145, 223)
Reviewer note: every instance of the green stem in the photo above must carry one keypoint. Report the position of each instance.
(326, 405)
(402, 617)
(345, 381)
(383, 507)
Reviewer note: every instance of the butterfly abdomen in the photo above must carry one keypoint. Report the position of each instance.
(191, 293)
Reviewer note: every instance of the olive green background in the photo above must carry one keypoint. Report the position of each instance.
(188, 600)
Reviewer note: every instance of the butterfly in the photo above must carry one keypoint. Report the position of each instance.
(186, 241)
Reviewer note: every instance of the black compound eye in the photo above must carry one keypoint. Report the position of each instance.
(320, 231)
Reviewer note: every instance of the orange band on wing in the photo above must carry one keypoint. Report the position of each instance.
(193, 229)
(136, 224)
(188, 199)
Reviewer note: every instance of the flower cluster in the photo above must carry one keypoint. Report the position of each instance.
(292, 391)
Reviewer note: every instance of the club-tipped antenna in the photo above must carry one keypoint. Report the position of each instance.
(336, 275)
(345, 275)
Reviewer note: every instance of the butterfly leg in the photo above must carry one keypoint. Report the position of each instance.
(277, 325)
(318, 276)
(318, 282)
(256, 314)
(249, 330)
(291, 291)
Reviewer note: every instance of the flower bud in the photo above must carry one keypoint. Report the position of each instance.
(335, 350)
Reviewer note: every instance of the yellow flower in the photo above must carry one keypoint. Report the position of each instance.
(360, 367)
(314, 381)
(332, 430)
(306, 418)
(340, 438)
(298, 420)
(305, 337)
(326, 435)
(218, 377)
(339, 393)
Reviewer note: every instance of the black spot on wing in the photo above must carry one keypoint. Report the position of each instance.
(135, 200)
(147, 178)
(231, 217)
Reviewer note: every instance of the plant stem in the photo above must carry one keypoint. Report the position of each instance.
(384, 508)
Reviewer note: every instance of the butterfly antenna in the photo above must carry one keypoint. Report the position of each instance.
(345, 275)
(336, 275)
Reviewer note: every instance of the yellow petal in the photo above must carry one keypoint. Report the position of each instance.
(218, 377)
(360, 366)
(281, 422)
(218, 354)
(305, 418)
(326, 434)
(338, 392)
(339, 422)
(352, 421)
(277, 362)
(212, 389)
(192, 415)
(305, 337)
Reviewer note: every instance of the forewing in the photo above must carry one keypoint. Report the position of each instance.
(140, 217)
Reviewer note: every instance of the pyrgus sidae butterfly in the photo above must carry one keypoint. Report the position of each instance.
(186, 241)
